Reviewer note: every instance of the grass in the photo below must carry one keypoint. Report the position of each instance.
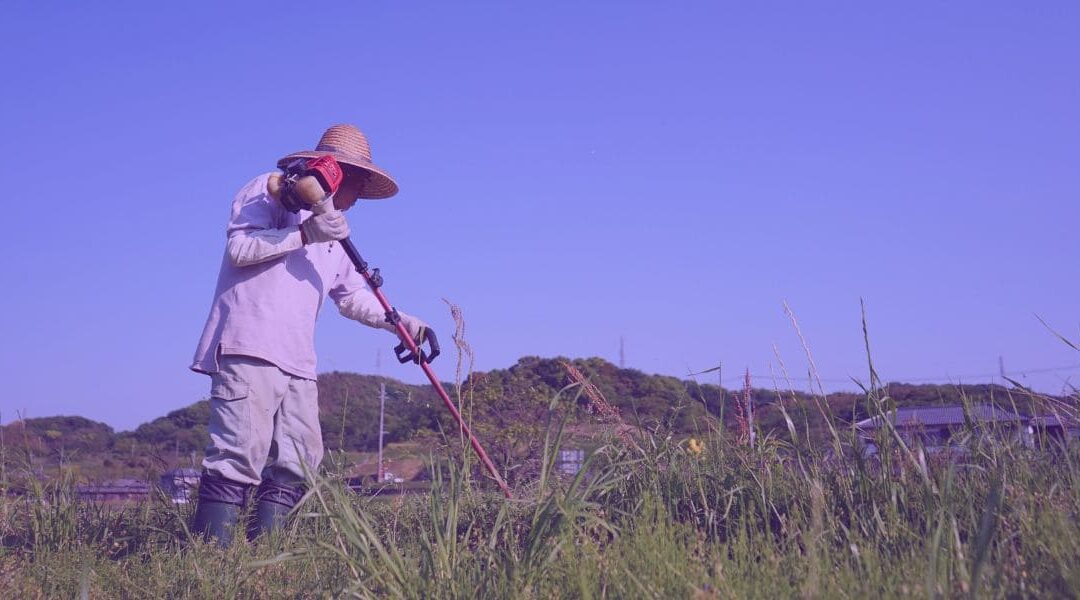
(649, 516)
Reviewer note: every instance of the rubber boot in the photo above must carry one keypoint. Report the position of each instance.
(220, 503)
(216, 520)
(269, 517)
(274, 502)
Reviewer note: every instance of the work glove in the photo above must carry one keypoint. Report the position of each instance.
(327, 227)
(414, 326)
(421, 334)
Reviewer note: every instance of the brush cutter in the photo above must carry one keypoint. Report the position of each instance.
(310, 183)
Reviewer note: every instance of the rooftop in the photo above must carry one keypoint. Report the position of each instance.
(182, 472)
(941, 415)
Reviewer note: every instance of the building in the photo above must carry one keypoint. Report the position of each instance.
(939, 428)
(117, 490)
(570, 461)
(1051, 430)
(179, 484)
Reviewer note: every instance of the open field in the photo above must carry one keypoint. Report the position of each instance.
(553, 300)
(648, 517)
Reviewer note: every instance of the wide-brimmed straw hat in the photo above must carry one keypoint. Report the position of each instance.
(349, 147)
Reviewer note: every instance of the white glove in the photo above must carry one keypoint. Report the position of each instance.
(414, 326)
(327, 227)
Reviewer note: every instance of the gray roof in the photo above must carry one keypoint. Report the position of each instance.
(941, 415)
(182, 472)
(1054, 421)
(119, 486)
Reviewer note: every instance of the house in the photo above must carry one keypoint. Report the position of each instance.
(179, 484)
(117, 490)
(363, 478)
(939, 428)
(1048, 430)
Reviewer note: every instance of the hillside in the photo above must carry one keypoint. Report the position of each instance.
(508, 409)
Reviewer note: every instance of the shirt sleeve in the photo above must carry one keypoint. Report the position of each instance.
(354, 297)
(258, 229)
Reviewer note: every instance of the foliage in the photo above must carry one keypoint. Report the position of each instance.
(51, 434)
(506, 408)
(349, 410)
(645, 517)
(183, 430)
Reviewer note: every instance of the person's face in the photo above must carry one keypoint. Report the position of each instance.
(349, 190)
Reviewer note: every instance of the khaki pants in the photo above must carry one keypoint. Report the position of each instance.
(264, 423)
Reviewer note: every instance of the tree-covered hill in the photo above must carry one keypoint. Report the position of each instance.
(69, 434)
(507, 408)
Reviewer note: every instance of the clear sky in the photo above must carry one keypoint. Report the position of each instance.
(571, 173)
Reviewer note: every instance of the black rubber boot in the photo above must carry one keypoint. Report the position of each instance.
(218, 511)
(274, 502)
(216, 520)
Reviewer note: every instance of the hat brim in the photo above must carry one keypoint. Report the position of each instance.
(378, 185)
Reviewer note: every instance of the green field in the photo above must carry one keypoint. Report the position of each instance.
(652, 515)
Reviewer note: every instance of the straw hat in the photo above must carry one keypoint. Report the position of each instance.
(349, 147)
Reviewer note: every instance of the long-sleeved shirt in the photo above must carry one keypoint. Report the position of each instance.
(271, 287)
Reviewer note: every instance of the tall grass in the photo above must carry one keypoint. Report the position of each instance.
(644, 518)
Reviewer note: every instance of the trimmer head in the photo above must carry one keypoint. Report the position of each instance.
(306, 182)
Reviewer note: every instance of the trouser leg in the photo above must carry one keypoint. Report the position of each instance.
(296, 450)
(244, 396)
(296, 447)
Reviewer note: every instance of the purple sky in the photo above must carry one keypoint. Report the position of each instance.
(666, 172)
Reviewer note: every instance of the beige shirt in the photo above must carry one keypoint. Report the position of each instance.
(271, 287)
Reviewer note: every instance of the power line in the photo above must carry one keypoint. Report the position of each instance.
(922, 379)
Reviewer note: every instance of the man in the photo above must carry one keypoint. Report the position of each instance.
(258, 342)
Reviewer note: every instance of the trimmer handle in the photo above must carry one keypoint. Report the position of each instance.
(405, 355)
(307, 183)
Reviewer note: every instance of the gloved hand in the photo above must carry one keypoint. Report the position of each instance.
(420, 333)
(326, 227)
(414, 326)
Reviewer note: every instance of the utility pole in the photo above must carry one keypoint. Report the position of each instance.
(748, 400)
(720, 384)
(382, 410)
(1001, 367)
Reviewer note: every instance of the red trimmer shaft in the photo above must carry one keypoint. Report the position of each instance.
(308, 183)
(415, 354)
